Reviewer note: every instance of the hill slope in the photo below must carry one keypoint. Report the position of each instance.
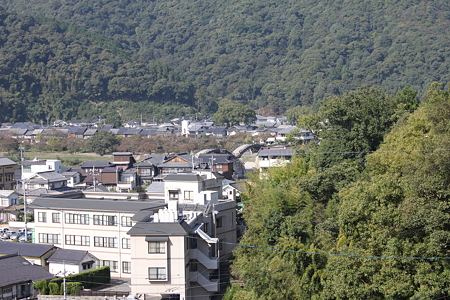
(277, 53)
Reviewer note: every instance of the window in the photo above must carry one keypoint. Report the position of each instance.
(42, 217)
(192, 243)
(47, 238)
(105, 220)
(126, 267)
(56, 217)
(71, 218)
(218, 222)
(126, 243)
(106, 242)
(157, 273)
(126, 221)
(87, 265)
(145, 172)
(156, 247)
(188, 195)
(173, 195)
(78, 240)
(113, 265)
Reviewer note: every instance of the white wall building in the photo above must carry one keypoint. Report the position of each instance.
(97, 226)
(31, 167)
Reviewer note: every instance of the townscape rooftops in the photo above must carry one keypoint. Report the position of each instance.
(25, 249)
(20, 270)
(96, 204)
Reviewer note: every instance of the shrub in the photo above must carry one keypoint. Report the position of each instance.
(54, 288)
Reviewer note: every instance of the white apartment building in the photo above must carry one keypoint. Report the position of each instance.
(94, 225)
(177, 252)
(32, 167)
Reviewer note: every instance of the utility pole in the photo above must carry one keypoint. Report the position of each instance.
(25, 209)
(64, 279)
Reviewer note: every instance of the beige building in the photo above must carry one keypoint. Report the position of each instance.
(171, 247)
(97, 226)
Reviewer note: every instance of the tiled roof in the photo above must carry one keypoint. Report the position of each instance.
(20, 270)
(24, 249)
(68, 256)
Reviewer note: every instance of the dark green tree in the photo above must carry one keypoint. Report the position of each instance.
(233, 113)
(103, 142)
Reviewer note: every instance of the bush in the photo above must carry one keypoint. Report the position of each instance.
(89, 278)
(72, 288)
(42, 286)
(54, 288)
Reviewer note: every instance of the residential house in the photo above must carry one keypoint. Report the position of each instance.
(7, 173)
(218, 131)
(147, 169)
(32, 167)
(48, 180)
(73, 178)
(36, 254)
(223, 163)
(273, 156)
(67, 262)
(18, 276)
(8, 201)
(176, 164)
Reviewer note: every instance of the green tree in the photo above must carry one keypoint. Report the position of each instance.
(103, 142)
(232, 113)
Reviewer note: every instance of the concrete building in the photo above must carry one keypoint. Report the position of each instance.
(7, 173)
(32, 167)
(98, 226)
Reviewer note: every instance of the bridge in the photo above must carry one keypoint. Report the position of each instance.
(239, 151)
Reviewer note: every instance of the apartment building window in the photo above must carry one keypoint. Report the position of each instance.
(47, 238)
(188, 195)
(219, 222)
(156, 273)
(173, 195)
(9, 177)
(56, 217)
(105, 220)
(126, 244)
(126, 221)
(113, 265)
(106, 242)
(156, 247)
(77, 240)
(71, 218)
(42, 217)
(126, 267)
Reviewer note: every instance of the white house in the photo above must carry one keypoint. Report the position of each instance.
(31, 167)
(68, 262)
(48, 180)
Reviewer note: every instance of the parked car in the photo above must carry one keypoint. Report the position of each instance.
(29, 237)
(14, 236)
(5, 235)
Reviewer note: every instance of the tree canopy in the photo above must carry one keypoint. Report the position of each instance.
(232, 113)
(381, 227)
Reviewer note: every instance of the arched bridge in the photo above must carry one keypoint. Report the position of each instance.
(244, 148)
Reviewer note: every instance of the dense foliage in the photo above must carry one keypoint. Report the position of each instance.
(50, 70)
(268, 54)
(374, 220)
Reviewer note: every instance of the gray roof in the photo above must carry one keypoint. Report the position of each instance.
(183, 177)
(33, 162)
(49, 176)
(155, 160)
(150, 228)
(4, 161)
(96, 163)
(142, 216)
(68, 256)
(275, 152)
(175, 165)
(155, 187)
(6, 193)
(218, 158)
(95, 204)
(90, 131)
(25, 249)
(19, 270)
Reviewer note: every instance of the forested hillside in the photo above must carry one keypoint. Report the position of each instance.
(272, 54)
(57, 70)
(355, 225)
